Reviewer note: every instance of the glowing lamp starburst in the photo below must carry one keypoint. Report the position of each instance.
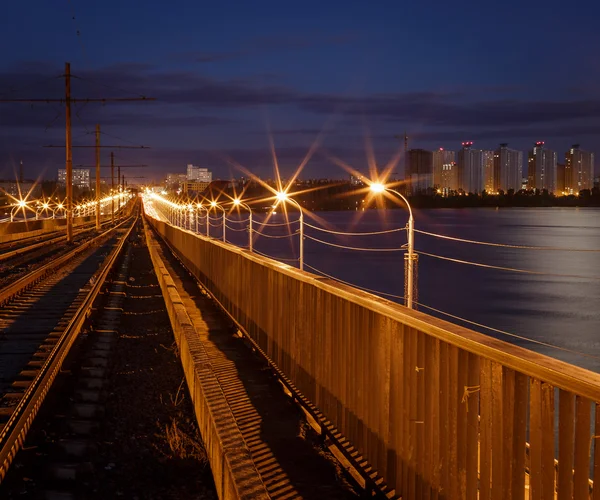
(377, 187)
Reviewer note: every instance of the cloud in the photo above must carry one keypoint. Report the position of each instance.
(264, 44)
(429, 108)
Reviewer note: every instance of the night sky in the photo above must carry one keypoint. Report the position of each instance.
(326, 77)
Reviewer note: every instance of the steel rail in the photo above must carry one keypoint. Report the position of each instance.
(12, 435)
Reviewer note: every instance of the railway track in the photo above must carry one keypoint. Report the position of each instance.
(118, 421)
(41, 316)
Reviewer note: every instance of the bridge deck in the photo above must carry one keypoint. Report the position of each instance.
(284, 449)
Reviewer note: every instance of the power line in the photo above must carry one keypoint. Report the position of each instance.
(68, 101)
(111, 87)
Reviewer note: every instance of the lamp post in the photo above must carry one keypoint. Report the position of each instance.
(198, 208)
(20, 205)
(377, 188)
(283, 197)
(239, 203)
(214, 204)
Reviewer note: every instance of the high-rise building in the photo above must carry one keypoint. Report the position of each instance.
(419, 170)
(81, 178)
(508, 169)
(198, 174)
(449, 181)
(561, 181)
(488, 171)
(175, 182)
(441, 157)
(582, 169)
(541, 168)
(470, 169)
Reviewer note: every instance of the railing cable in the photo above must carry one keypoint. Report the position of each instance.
(510, 269)
(274, 237)
(354, 234)
(273, 224)
(355, 248)
(274, 258)
(503, 245)
(474, 323)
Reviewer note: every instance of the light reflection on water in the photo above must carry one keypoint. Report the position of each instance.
(556, 310)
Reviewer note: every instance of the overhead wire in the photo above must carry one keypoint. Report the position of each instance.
(111, 87)
(13, 89)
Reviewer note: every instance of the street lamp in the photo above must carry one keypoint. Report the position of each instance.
(378, 188)
(237, 202)
(282, 197)
(20, 205)
(198, 208)
(214, 204)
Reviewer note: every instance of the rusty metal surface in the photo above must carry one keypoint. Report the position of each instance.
(362, 361)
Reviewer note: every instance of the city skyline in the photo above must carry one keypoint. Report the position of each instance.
(320, 80)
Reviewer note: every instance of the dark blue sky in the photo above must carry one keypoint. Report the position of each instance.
(313, 73)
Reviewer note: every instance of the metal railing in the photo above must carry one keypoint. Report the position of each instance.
(440, 411)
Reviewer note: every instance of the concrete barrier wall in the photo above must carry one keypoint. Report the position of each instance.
(426, 402)
(10, 231)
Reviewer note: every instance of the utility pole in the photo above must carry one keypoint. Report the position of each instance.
(112, 186)
(69, 162)
(98, 177)
(68, 100)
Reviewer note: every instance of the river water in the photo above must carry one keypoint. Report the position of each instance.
(559, 310)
